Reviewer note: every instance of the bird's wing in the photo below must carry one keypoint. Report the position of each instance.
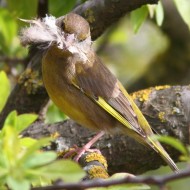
(98, 83)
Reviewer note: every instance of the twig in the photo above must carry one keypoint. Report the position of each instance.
(11, 61)
(150, 180)
(42, 8)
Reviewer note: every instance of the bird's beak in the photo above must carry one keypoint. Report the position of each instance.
(69, 41)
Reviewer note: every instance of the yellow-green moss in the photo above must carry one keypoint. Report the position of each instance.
(98, 172)
(162, 87)
(30, 79)
(89, 14)
(96, 156)
(161, 116)
(142, 95)
(55, 135)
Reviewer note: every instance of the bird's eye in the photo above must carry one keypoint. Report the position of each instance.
(62, 25)
(81, 39)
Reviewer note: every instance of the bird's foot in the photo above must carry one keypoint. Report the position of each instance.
(86, 148)
(82, 150)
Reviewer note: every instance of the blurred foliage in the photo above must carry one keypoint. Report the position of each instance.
(185, 158)
(157, 11)
(10, 44)
(183, 7)
(54, 114)
(60, 7)
(124, 55)
(138, 17)
(21, 8)
(8, 30)
(4, 89)
(177, 144)
(129, 55)
(183, 184)
(22, 163)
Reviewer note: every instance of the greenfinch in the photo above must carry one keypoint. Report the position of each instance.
(81, 85)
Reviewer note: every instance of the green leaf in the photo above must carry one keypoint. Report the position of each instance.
(3, 187)
(11, 120)
(66, 170)
(151, 10)
(3, 172)
(138, 17)
(119, 36)
(27, 142)
(4, 89)
(4, 163)
(178, 145)
(19, 122)
(22, 8)
(32, 149)
(24, 120)
(183, 7)
(15, 184)
(54, 114)
(8, 30)
(159, 13)
(40, 159)
(10, 145)
(63, 8)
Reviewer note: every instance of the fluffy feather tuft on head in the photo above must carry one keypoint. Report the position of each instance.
(46, 31)
(40, 31)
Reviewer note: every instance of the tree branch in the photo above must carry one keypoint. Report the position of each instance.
(150, 180)
(101, 14)
(171, 66)
(42, 8)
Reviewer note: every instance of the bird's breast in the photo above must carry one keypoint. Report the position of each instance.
(58, 74)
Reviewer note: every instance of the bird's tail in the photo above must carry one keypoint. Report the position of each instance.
(160, 150)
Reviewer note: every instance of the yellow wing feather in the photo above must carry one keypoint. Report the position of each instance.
(143, 123)
(101, 102)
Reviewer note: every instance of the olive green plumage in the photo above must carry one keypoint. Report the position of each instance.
(82, 86)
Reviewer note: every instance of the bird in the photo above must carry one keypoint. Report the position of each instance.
(82, 86)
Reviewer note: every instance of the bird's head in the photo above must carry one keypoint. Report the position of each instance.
(68, 33)
(74, 25)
